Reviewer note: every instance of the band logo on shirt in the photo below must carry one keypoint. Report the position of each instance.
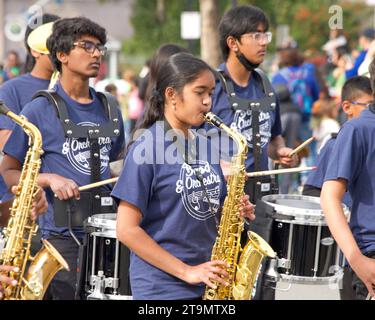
(242, 123)
(199, 186)
(78, 154)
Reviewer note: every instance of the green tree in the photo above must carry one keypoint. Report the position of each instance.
(307, 20)
(150, 30)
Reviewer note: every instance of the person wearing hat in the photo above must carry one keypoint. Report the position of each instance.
(364, 42)
(81, 136)
(17, 92)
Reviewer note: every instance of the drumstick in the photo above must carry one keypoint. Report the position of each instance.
(97, 184)
(278, 171)
(301, 146)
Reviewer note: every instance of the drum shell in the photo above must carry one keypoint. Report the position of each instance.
(305, 248)
(101, 254)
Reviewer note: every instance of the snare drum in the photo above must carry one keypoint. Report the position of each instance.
(306, 251)
(107, 260)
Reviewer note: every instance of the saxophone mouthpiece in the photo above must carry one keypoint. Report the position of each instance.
(3, 108)
(213, 119)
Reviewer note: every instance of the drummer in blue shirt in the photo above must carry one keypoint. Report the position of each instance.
(351, 168)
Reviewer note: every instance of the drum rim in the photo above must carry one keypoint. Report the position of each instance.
(334, 278)
(309, 215)
(102, 220)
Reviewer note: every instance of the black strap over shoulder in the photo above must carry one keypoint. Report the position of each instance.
(108, 129)
(266, 103)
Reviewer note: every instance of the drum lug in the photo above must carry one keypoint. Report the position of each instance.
(112, 283)
(283, 263)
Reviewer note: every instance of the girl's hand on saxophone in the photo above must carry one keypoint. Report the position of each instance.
(247, 208)
(207, 273)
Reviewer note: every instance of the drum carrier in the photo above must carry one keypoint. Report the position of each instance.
(75, 213)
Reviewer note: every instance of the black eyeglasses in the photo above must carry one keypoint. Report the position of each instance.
(90, 47)
(361, 103)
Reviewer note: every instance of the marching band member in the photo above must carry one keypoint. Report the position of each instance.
(76, 47)
(350, 168)
(170, 207)
(245, 100)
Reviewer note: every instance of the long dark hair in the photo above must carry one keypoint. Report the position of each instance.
(179, 70)
(157, 61)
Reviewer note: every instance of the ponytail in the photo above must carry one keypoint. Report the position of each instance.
(154, 112)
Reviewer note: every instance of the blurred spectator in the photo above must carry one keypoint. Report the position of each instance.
(363, 68)
(336, 39)
(301, 80)
(144, 76)
(336, 79)
(291, 121)
(112, 89)
(158, 59)
(12, 66)
(131, 104)
(323, 121)
(364, 42)
(290, 114)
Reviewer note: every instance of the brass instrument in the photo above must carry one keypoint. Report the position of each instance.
(21, 228)
(244, 263)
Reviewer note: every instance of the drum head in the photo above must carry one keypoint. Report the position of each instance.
(298, 207)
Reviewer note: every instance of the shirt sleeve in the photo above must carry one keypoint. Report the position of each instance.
(11, 102)
(17, 144)
(135, 182)
(347, 156)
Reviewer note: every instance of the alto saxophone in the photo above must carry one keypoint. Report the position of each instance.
(21, 228)
(243, 263)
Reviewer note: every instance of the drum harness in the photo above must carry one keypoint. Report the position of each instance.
(258, 185)
(95, 201)
(73, 213)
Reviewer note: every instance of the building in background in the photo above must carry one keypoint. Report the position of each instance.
(113, 15)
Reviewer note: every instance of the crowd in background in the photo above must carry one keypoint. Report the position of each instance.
(309, 90)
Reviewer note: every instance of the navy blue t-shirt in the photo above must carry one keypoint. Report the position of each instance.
(269, 122)
(15, 94)
(67, 157)
(353, 159)
(177, 211)
(316, 177)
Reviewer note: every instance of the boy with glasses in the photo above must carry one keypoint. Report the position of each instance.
(77, 147)
(356, 96)
(350, 168)
(245, 100)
